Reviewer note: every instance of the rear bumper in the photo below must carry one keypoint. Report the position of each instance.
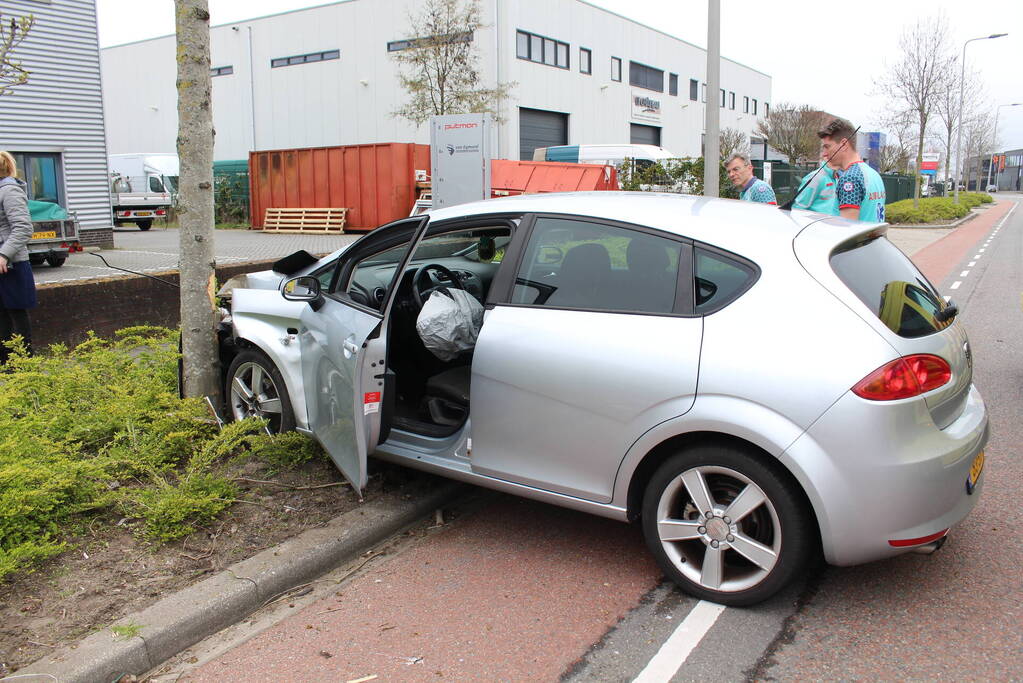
(881, 472)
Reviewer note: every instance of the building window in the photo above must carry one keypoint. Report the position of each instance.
(754, 107)
(585, 61)
(722, 97)
(731, 100)
(673, 84)
(694, 89)
(43, 173)
(542, 50)
(222, 71)
(703, 92)
(745, 104)
(305, 59)
(616, 69)
(643, 76)
(426, 41)
(767, 110)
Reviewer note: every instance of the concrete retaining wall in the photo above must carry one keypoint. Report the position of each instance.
(68, 311)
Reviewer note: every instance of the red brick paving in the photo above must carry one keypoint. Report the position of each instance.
(488, 599)
(938, 259)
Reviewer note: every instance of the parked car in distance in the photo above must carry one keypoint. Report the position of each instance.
(753, 386)
(991, 188)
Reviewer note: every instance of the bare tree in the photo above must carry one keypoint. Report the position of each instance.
(947, 107)
(979, 139)
(439, 64)
(732, 140)
(12, 32)
(195, 200)
(920, 77)
(898, 150)
(792, 130)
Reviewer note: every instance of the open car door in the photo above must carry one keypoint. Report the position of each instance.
(342, 335)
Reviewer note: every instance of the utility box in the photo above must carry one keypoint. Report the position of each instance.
(460, 158)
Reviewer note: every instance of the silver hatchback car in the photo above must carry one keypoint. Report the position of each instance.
(754, 385)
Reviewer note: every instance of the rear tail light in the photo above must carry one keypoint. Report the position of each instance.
(161, 212)
(904, 378)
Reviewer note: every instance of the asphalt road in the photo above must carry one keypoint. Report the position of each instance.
(157, 250)
(514, 590)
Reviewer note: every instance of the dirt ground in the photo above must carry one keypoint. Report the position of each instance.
(109, 573)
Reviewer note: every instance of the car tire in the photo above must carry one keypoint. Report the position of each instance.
(56, 261)
(256, 388)
(740, 561)
(144, 224)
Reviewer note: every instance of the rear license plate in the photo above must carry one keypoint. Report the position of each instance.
(143, 213)
(48, 234)
(975, 469)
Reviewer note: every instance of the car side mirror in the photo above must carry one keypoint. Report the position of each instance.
(548, 256)
(304, 288)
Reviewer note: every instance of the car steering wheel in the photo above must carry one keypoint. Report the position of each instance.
(421, 278)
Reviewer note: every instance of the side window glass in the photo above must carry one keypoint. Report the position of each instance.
(372, 277)
(578, 264)
(718, 280)
(155, 185)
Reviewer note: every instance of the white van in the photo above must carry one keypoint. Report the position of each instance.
(142, 187)
(603, 154)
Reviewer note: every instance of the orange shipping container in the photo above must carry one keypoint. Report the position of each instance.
(376, 183)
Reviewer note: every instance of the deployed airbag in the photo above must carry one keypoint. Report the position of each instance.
(450, 323)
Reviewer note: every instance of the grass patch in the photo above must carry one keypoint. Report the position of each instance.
(934, 209)
(127, 631)
(97, 432)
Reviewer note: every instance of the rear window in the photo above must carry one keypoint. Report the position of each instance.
(891, 286)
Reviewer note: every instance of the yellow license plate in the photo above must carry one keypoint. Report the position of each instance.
(975, 469)
(143, 213)
(49, 234)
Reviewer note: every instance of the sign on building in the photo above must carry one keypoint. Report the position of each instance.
(459, 158)
(645, 108)
(929, 163)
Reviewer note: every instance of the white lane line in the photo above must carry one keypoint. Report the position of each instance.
(981, 251)
(964, 273)
(971, 264)
(947, 298)
(955, 285)
(681, 643)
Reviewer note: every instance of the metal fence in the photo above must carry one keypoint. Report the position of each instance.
(786, 179)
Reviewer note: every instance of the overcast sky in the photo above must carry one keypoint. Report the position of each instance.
(813, 57)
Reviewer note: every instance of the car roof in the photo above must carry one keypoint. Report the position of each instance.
(728, 223)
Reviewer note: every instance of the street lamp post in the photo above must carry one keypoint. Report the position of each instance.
(959, 135)
(994, 139)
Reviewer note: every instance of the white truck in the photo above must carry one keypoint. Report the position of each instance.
(142, 187)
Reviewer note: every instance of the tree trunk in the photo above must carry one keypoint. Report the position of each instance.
(195, 201)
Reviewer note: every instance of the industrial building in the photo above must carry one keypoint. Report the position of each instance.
(53, 124)
(325, 76)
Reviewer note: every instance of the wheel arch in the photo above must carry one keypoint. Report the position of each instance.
(287, 363)
(663, 450)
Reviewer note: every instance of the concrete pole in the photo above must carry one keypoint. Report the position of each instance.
(959, 134)
(712, 148)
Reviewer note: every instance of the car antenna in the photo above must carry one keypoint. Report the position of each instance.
(787, 206)
(151, 277)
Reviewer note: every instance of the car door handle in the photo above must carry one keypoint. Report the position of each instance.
(350, 347)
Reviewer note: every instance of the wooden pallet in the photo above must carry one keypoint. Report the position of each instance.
(304, 220)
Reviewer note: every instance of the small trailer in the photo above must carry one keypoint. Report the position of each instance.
(54, 234)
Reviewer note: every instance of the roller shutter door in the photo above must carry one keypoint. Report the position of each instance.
(538, 128)
(645, 135)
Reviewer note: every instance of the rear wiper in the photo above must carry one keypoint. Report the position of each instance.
(944, 315)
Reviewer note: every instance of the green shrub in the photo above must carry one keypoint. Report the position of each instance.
(99, 429)
(931, 209)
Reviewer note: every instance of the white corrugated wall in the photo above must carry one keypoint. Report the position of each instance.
(60, 109)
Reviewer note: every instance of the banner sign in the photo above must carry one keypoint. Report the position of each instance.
(645, 108)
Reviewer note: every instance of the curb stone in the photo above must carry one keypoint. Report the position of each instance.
(186, 617)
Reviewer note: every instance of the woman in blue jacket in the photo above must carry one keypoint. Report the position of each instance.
(17, 288)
